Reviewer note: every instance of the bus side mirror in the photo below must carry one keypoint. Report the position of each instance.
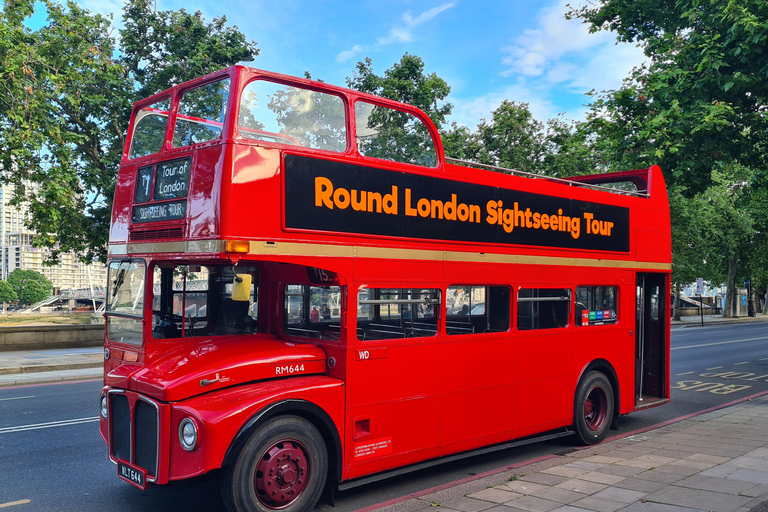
(241, 287)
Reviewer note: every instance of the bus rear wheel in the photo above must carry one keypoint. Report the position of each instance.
(282, 466)
(593, 408)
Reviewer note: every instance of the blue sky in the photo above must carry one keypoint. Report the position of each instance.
(487, 50)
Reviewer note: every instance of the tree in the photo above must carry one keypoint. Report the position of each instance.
(571, 149)
(165, 48)
(7, 293)
(513, 138)
(28, 284)
(406, 82)
(33, 292)
(699, 103)
(728, 227)
(67, 96)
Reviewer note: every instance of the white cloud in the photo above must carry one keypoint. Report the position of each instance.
(534, 50)
(348, 54)
(469, 112)
(607, 66)
(404, 33)
(397, 34)
(549, 65)
(560, 51)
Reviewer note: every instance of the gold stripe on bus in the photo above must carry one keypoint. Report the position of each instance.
(192, 246)
(260, 247)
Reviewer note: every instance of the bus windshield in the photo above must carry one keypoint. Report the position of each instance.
(125, 301)
(203, 300)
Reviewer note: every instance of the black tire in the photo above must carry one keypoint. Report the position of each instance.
(593, 408)
(282, 466)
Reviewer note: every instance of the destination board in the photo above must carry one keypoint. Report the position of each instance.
(172, 179)
(160, 211)
(143, 185)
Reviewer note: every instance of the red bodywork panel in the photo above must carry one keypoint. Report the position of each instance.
(216, 363)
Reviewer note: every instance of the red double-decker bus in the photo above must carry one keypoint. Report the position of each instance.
(304, 294)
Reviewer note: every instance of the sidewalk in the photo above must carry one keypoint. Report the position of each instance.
(23, 367)
(695, 321)
(715, 462)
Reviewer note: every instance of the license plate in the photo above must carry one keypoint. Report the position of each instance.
(132, 474)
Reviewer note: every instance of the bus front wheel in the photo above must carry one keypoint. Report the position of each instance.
(593, 408)
(282, 466)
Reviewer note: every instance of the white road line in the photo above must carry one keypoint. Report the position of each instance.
(51, 424)
(737, 364)
(719, 343)
(715, 368)
(14, 503)
(16, 398)
(686, 373)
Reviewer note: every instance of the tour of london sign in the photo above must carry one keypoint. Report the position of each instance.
(171, 181)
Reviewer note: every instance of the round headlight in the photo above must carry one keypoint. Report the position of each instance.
(104, 406)
(188, 434)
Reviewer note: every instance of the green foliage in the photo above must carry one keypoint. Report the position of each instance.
(406, 82)
(7, 293)
(699, 102)
(395, 135)
(33, 292)
(67, 96)
(165, 48)
(697, 108)
(514, 139)
(28, 285)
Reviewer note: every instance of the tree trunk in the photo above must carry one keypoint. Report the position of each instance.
(765, 304)
(676, 309)
(731, 293)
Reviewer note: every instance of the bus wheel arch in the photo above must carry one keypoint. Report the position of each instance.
(302, 416)
(596, 402)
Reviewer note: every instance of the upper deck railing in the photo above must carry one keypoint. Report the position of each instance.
(566, 181)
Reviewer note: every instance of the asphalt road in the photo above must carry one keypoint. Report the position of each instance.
(52, 457)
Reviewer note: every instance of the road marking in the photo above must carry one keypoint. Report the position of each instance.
(51, 424)
(14, 503)
(16, 398)
(737, 364)
(763, 359)
(715, 368)
(719, 343)
(686, 373)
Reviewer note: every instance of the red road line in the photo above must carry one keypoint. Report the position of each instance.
(454, 483)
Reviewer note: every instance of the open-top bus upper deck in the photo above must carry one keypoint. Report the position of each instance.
(295, 167)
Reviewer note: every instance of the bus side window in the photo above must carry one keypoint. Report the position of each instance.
(395, 135)
(149, 129)
(393, 313)
(471, 309)
(312, 311)
(542, 308)
(596, 305)
(201, 112)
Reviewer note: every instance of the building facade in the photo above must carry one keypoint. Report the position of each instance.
(17, 252)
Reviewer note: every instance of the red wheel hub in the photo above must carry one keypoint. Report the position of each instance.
(281, 474)
(595, 409)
